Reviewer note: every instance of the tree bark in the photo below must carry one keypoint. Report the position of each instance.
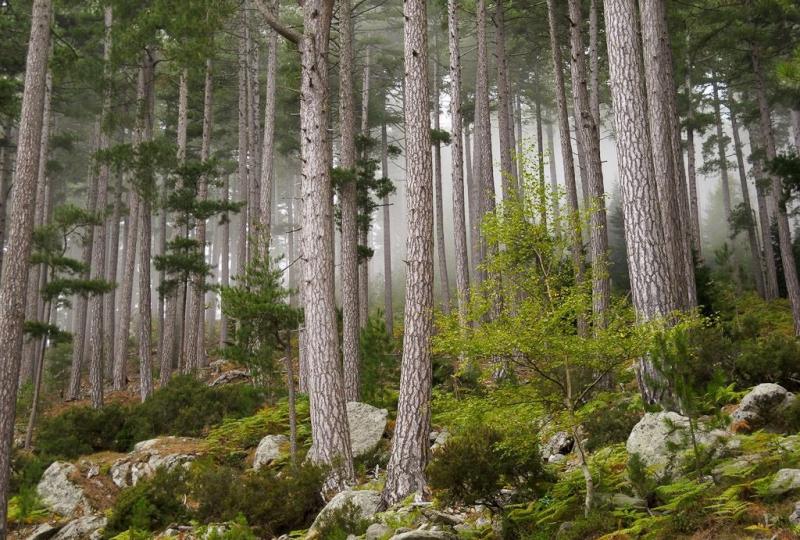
(98, 266)
(225, 260)
(590, 134)
(556, 202)
(110, 306)
(456, 149)
(764, 221)
(441, 251)
(405, 473)
(691, 169)
(505, 127)
(387, 237)
(473, 209)
(540, 160)
(784, 234)
(363, 233)
(244, 145)
(20, 231)
(268, 149)
(653, 293)
(722, 154)
(483, 130)
(594, 60)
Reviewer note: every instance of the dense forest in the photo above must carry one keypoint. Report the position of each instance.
(399, 270)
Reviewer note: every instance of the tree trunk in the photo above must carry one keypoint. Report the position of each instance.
(4, 152)
(253, 149)
(590, 134)
(243, 176)
(540, 161)
(98, 267)
(520, 151)
(722, 154)
(653, 293)
(581, 152)
(459, 218)
(594, 60)
(756, 264)
(363, 233)
(405, 473)
(691, 169)
(556, 203)
(113, 255)
(331, 441)
(505, 127)
(225, 260)
(20, 231)
(473, 209)
(483, 129)
(784, 234)
(349, 208)
(566, 145)
(441, 251)
(268, 149)
(796, 128)
(764, 221)
(38, 370)
(387, 237)
(291, 402)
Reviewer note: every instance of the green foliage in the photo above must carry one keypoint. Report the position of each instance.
(151, 504)
(84, 430)
(609, 418)
(273, 502)
(476, 464)
(339, 524)
(379, 375)
(440, 136)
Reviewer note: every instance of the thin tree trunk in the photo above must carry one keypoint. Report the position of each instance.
(784, 234)
(459, 218)
(581, 152)
(268, 149)
(441, 251)
(473, 209)
(4, 152)
(20, 231)
(110, 306)
(540, 162)
(556, 198)
(483, 129)
(722, 154)
(691, 169)
(796, 128)
(594, 60)
(363, 233)
(756, 264)
(520, 152)
(770, 270)
(225, 260)
(38, 370)
(253, 149)
(291, 402)
(243, 176)
(405, 473)
(653, 294)
(505, 127)
(387, 237)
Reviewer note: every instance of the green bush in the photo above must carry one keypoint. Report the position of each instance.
(151, 504)
(476, 464)
(26, 470)
(339, 524)
(84, 430)
(610, 422)
(380, 374)
(272, 502)
(775, 358)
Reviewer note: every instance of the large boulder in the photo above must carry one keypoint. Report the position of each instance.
(151, 455)
(85, 528)
(366, 501)
(661, 439)
(560, 443)
(762, 407)
(367, 424)
(424, 534)
(784, 481)
(59, 491)
(45, 531)
(269, 449)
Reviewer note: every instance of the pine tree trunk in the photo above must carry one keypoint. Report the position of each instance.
(551, 152)
(20, 231)
(756, 264)
(268, 149)
(331, 441)
(589, 132)
(363, 233)
(405, 473)
(581, 153)
(441, 251)
(38, 371)
(484, 170)
(243, 176)
(653, 293)
(225, 260)
(505, 127)
(113, 255)
(473, 209)
(3, 195)
(795, 114)
(540, 159)
(456, 117)
(349, 208)
(764, 221)
(691, 168)
(98, 266)
(784, 234)
(722, 154)
(566, 145)
(253, 148)
(594, 60)
(388, 309)
(519, 144)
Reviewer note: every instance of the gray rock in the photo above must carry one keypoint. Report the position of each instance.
(87, 527)
(556, 458)
(367, 424)
(151, 455)
(43, 532)
(366, 501)
(763, 406)
(422, 534)
(438, 439)
(232, 376)
(560, 443)
(785, 480)
(376, 531)
(57, 490)
(794, 517)
(269, 449)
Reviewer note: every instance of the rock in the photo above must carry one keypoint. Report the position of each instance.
(148, 456)
(762, 407)
(377, 531)
(435, 516)
(87, 527)
(269, 449)
(366, 501)
(43, 532)
(794, 517)
(216, 366)
(59, 492)
(556, 458)
(560, 443)
(422, 534)
(367, 424)
(232, 376)
(785, 480)
(438, 438)
(656, 435)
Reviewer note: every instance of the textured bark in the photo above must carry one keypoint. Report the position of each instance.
(456, 149)
(520, 151)
(473, 208)
(505, 126)
(243, 176)
(795, 114)
(722, 154)
(764, 221)
(660, 95)
(253, 148)
(438, 204)
(594, 59)
(113, 257)
(540, 158)
(38, 371)
(484, 169)
(581, 153)
(388, 309)
(784, 234)
(20, 230)
(551, 159)
(363, 233)
(405, 473)
(349, 208)
(566, 144)
(653, 294)
(268, 148)
(756, 264)
(589, 132)
(98, 267)
(225, 260)
(331, 442)
(691, 168)
(4, 152)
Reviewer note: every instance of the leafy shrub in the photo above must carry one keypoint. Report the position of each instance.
(609, 421)
(272, 503)
(379, 365)
(151, 504)
(775, 358)
(26, 470)
(339, 524)
(476, 465)
(84, 430)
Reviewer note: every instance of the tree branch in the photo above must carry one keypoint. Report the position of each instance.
(288, 33)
